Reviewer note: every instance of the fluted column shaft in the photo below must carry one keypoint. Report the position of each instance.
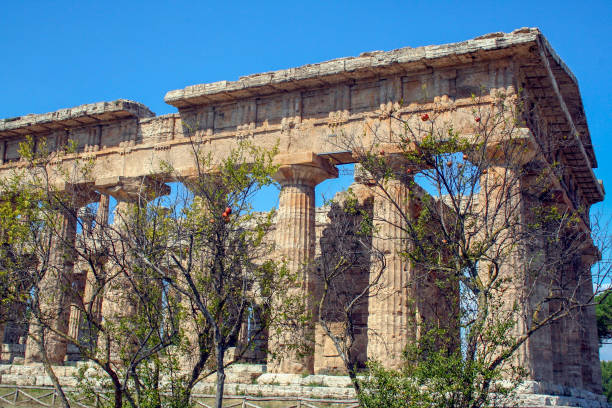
(391, 311)
(90, 294)
(53, 296)
(591, 367)
(570, 356)
(295, 225)
(507, 205)
(74, 325)
(295, 243)
(118, 302)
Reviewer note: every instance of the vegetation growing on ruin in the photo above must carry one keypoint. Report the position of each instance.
(483, 227)
(179, 277)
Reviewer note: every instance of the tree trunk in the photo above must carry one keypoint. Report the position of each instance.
(220, 377)
(353, 376)
(196, 371)
(116, 385)
(49, 369)
(118, 398)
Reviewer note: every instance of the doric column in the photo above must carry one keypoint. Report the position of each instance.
(567, 357)
(408, 300)
(90, 294)
(79, 280)
(591, 367)
(565, 331)
(507, 204)
(117, 303)
(54, 294)
(295, 241)
(75, 319)
(391, 309)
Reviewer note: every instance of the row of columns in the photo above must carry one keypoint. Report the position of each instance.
(543, 282)
(65, 289)
(405, 301)
(564, 353)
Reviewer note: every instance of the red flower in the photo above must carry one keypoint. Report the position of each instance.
(424, 117)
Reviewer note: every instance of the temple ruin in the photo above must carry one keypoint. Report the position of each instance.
(297, 107)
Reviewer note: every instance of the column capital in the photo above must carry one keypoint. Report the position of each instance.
(133, 189)
(590, 254)
(517, 150)
(305, 168)
(77, 195)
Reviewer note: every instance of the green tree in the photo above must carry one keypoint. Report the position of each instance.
(606, 377)
(184, 273)
(40, 218)
(604, 317)
(218, 260)
(480, 231)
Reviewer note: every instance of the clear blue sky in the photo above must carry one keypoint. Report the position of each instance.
(61, 54)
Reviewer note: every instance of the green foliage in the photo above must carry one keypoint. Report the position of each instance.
(603, 310)
(456, 195)
(167, 266)
(606, 378)
(214, 256)
(434, 375)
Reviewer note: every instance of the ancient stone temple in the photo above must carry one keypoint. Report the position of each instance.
(304, 110)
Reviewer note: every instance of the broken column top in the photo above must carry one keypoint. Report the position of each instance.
(73, 117)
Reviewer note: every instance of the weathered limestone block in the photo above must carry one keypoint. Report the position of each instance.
(326, 356)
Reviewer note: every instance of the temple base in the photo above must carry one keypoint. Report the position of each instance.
(252, 379)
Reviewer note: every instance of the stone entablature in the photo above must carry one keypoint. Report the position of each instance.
(78, 116)
(297, 106)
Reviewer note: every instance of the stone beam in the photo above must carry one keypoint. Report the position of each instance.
(368, 64)
(79, 116)
(308, 108)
